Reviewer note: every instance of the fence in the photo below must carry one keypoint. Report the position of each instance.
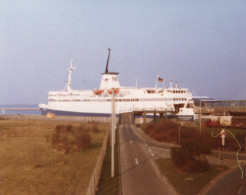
(97, 171)
(58, 118)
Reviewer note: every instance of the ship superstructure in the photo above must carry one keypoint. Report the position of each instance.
(176, 101)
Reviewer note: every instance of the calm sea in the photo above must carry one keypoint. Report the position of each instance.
(22, 112)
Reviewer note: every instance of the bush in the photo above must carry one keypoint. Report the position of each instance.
(94, 128)
(189, 158)
(65, 139)
(178, 156)
(163, 131)
(82, 140)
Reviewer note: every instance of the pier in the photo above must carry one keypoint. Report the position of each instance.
(18, 109)
(21, 108)
(221, 107)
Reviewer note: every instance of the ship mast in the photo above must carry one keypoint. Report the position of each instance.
(106, 70)
(70, 69)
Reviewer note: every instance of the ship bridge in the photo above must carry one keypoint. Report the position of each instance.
(109, 81)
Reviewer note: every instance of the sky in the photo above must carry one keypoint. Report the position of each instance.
(199, 43)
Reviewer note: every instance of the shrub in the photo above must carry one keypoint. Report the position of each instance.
(163, 131)
(178, 156)
(66, 139)
(82, 140)
(188, 158)
(94, 128)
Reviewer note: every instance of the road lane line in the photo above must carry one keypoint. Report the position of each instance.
(136, 161)
(130, 141)
(152, 154)
(149, 150)
(146, 144)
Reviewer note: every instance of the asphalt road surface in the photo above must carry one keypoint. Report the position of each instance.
(139, 174)
(230, 184)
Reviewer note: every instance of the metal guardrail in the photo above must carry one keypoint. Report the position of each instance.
(98, 169)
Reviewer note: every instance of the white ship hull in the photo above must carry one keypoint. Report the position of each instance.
(175, 101)
(102, 106)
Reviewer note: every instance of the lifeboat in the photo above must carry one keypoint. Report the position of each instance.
(110, 91)
(98, 92)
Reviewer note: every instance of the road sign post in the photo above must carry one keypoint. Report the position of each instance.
(223, 135)
(219, 156)
(179, 135)
(141, 121)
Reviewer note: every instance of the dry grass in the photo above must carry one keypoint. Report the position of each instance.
(29, 166)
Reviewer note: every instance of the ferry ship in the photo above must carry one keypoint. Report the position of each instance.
(175, 101)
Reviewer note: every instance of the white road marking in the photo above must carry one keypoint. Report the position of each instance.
(130, 141)
(136, 161)
(240, 190)
(149, 150)
(152, 154)
(167, 150)
(146, 144)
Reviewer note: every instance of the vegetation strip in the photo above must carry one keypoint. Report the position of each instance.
(187, 183)
(108, 185)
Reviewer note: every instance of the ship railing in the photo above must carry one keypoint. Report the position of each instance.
(203, 110)
(142, 109)
(125, 110)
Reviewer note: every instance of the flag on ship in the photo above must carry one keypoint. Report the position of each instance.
(160, 79)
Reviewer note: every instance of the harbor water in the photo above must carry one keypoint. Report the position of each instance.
(19, 110)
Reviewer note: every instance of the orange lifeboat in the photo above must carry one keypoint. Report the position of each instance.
(98, 92)
(110, 91)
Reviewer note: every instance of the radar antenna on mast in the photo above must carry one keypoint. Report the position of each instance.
(70, 69)
(106, 70)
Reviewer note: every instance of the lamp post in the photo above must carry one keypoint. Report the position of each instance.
(200, 116)
(112, 133)
(179, 135)
(245, 144)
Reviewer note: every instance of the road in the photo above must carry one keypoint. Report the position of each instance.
(139, 174)
(230, 183)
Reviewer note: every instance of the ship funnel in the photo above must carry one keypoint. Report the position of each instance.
(109, 79)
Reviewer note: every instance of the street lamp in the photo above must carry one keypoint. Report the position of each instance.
(200, 116)
(112, 133)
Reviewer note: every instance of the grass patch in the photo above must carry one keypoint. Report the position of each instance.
(187, 183)
(29, 166)
(108, 185)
